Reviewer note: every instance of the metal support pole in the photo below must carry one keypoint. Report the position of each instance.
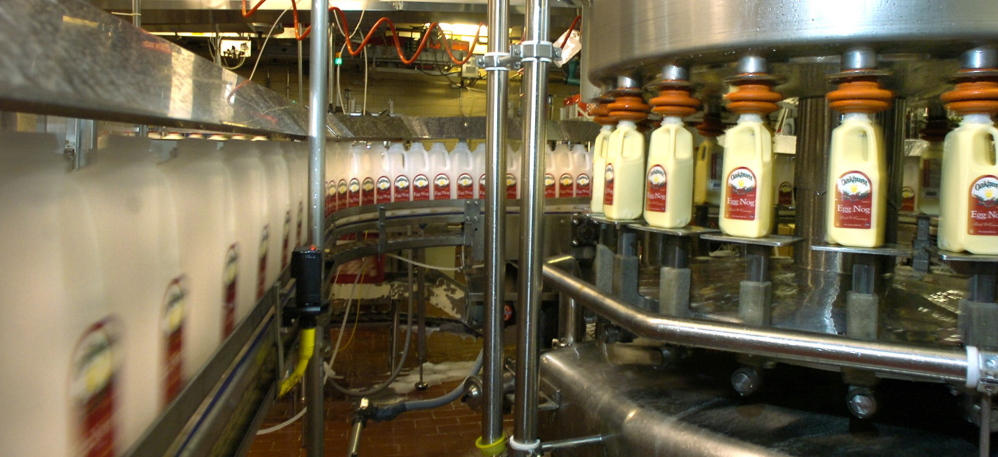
(316, 177)
(137, 13)
(421, 316)
(495, 226)
(531, 229)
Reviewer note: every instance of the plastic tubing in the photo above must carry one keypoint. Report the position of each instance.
(306, 345)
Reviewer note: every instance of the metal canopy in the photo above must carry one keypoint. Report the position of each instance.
(68, 58)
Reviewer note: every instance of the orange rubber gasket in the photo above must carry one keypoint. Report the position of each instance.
(675, 102)
(601, 114)
(753, 98)
(629, 108)
(972, 97)
(710, 127)
(860, 95)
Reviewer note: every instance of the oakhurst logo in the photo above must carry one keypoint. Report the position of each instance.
(656, 176)
(402, 182)
(384, 183)
(985, 190)
(741, 180)
(854, 186)
(441, 180)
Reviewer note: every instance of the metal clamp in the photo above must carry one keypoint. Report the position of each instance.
(537, 50)
(982, 370)
(498, 61)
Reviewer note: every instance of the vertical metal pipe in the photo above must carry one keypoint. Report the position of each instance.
(531, 227)
(814, 125)
(895, 132)
(137, 13)
(587, 89)
(316, 178)
(495, 223)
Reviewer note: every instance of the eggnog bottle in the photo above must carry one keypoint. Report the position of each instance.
(478, 157)
(344, 165)
(278, 208)
(550, 173)
(513, 163)
(564, 171)
(208, 246)
(582, 172)
(61, 350)
(669, 175)
(246, 174)
(747, 205)
(909, 184)
(708, 164)
(298, 188)
(463, 170)
(968, 213)
(371, 171)
(398, 161)
(440, 169)
(355, 173)
(600, 148)
(133, 209)
(623, 192)
(783, 179)
(856, 208)
(417, 162)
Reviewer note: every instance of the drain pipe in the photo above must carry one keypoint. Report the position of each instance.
(536, 54)
(495, 61)
(319, 52)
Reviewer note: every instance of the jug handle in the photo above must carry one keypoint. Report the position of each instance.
(702, 151)
(993, 133)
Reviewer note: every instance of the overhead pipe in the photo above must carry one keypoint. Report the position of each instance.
(537, 53)
(318, 96)
(495, 222)
(936, 363)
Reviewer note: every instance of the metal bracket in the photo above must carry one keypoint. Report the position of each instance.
(982, 370)
(542, 50)
(499, 61)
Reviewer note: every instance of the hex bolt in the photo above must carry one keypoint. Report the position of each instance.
(746, 381)
(861, 402)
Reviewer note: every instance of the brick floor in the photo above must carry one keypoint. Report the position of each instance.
(448, 431)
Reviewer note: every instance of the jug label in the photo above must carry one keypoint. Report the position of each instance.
(907, 199)
(173, 339)
(932, 174)
(286, 240)
(420, 188)
(367, 192)
(565, 186)
(510, 186)
(93, 390)
(441, 187)
(384, 190)
(401, 188)
(342, 195)
(582, 186)
(229, 289)
(261, 279)
(853, 201)
(657, 186)
(298, 227)
(550, 186)
(465, 186)
(481, 186)
(608, 185)
(353, 196)
(740, 200)
(983, 206)
(785, 194)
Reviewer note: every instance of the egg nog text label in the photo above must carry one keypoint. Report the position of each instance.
(741, 195)
(550, 186)
(441, 187)
(853, 201)
(172, 324)
(401, 188)
(983, 206)
(93, 390)
(367, 191)
(383, 190)
(656, 189)
(229, 290)
(465, 186)
(420, 188)
(583, 186)
(608, 186)
(565, 186)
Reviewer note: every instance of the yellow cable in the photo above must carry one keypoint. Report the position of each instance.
(306, 345)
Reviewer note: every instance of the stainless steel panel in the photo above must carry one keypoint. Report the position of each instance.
(69, 58)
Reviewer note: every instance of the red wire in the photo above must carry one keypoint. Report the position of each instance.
(370, 34)
(575, 22)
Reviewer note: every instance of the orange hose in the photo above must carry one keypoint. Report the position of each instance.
(575, 22)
